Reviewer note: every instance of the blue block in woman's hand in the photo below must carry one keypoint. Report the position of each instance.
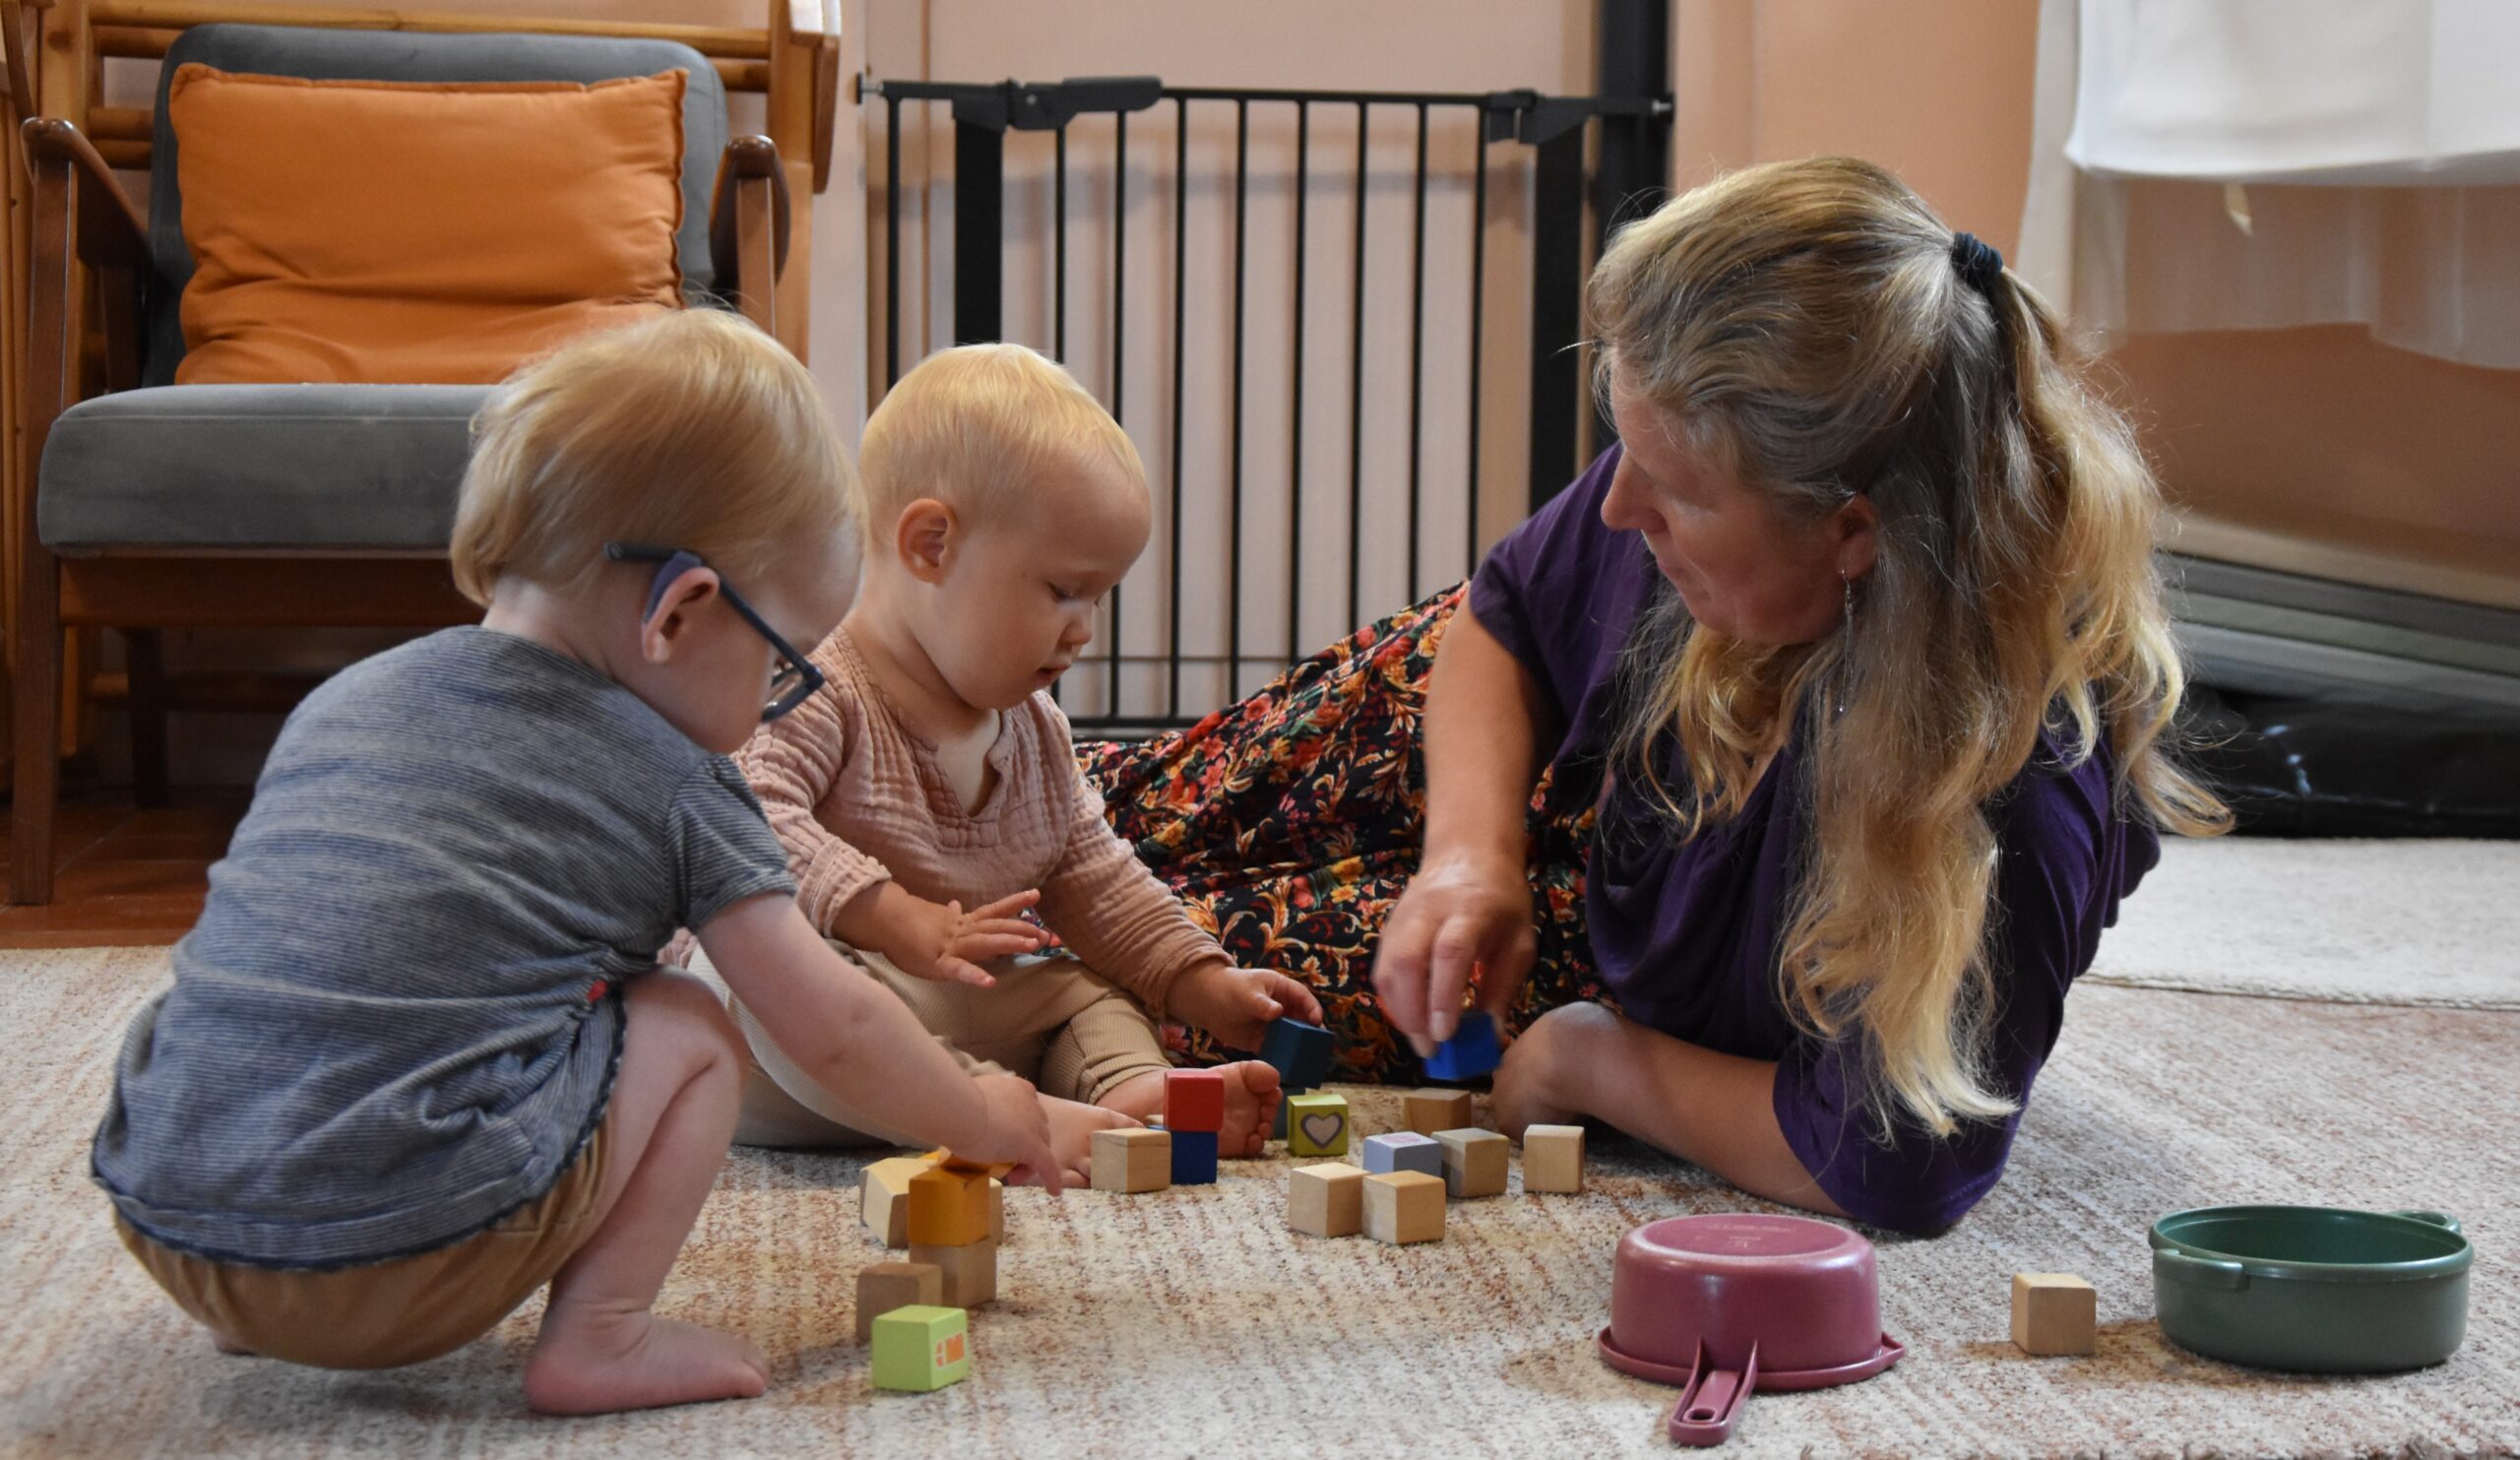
(1470, 1052)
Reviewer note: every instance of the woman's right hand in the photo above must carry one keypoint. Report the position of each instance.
(1458, 914)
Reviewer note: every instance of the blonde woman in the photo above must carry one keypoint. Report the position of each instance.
(1859, 628)
(1775, 780)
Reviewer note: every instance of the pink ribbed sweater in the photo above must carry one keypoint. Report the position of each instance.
(858, 797)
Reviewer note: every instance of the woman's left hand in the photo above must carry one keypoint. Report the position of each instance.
(1237, 1005)
(1542, 1081)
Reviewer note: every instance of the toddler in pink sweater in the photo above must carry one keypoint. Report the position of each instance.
(928, 795)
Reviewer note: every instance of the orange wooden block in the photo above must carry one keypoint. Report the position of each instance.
(948, 1208)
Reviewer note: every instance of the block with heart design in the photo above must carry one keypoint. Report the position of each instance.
(1474, 1161)
(1316, 1125)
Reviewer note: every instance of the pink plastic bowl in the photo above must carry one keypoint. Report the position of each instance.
(1725, 1305)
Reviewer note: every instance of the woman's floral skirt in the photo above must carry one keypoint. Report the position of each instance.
(1290, 824)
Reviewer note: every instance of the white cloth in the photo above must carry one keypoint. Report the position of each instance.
(2184, 109)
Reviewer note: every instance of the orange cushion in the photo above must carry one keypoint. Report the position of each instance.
(403, 233)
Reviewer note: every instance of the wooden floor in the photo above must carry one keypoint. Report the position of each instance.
(125, 876)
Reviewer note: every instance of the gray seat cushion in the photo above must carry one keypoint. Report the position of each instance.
(403, 55)
(215, 467)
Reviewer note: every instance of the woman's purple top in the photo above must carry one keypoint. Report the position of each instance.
(1686, 933)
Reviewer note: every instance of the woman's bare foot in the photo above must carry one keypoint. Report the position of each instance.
(1251, 1100)
(1072, 1127)
(595, 1363)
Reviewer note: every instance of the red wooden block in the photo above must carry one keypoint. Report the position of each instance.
(1194, 1099)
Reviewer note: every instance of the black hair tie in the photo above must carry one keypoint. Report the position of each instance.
(1978, 263)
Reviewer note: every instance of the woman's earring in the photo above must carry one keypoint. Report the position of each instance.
(1845, 646)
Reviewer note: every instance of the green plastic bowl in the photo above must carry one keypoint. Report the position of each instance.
(2315, 1290)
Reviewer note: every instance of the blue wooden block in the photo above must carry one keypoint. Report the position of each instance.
(1194, 1157)
(1472, 1052)
(1278, 1130)
(1404, 1150)
(1301, 1052)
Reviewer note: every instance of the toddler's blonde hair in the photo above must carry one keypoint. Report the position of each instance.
(692, 430)
(972, 425)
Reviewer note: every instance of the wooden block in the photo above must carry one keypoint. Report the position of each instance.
(996, 1210)
(948, 1209)
(1194, 1157)
(1326, 1200)
(969, 1271)
(923, 1348)
(1404, 1150)
(1299, 1052)
(883, 1198)
(1132, 1158)
(886, 1286)
(2054, 1312)
(1193, 1100)
(951, 1162)
(1431, 1110)
(1403, 1206)
(1474, 1161)
(1553, 1159)
(1316, 1125)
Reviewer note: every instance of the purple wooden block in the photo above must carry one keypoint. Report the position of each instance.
(1404, 1150)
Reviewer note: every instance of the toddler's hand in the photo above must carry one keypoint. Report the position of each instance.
(943, 943)
(1018, 1130)
(1237, 1005)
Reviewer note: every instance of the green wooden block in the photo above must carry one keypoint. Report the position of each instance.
(920, 1348)
(1316, 1125)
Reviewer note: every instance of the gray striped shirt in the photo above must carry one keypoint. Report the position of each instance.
(401, 1012)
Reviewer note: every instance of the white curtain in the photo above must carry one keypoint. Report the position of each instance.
(2237, 164)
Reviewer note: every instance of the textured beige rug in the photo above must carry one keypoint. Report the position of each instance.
(1194, 1323)
(2393, 923)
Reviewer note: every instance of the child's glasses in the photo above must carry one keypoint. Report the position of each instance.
(792, 678)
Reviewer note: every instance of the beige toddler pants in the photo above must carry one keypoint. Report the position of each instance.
(1048, 1019)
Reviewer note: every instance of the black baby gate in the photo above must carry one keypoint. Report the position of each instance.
(1630, 134)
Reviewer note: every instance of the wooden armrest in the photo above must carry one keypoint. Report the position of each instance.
(748, 225)
(109, 232)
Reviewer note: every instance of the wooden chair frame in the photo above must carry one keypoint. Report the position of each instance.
(74, 321)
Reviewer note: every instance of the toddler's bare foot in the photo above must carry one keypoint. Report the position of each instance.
(1250, 1105)
(595, 1363)
(1072, 1127)
(225, 1344)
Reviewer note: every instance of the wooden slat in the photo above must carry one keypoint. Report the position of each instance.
(708, 40)
(261, 591)
(131, 157)
(118, 124)
(133, 42)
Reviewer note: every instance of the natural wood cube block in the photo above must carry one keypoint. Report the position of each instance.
(969, 1271)
(1474, 1161)
(886, 1286)
(2054, 1312)
(883, 1198)
(1404, 1206)
(1134, 1159)
(1427, 1112)
(1553, 1159)
(948, 1208)
(1326, 1200)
